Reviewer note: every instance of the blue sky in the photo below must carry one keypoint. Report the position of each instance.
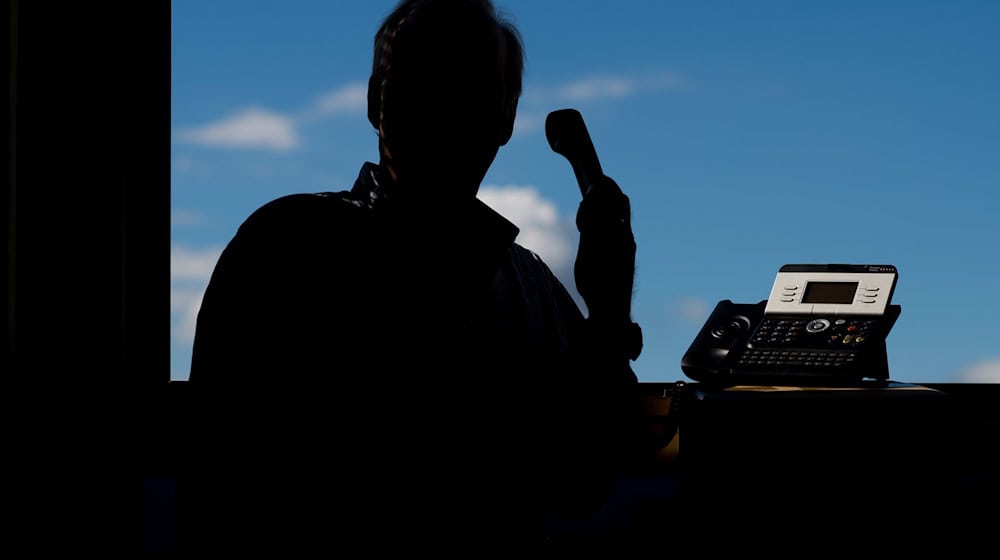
(747, 134)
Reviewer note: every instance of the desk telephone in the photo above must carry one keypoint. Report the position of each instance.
(822, 324)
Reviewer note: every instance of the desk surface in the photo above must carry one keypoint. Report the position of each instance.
(882, 390)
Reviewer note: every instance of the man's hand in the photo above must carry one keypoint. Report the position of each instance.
(605, 261)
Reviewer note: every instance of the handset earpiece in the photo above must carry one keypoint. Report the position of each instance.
(568, 136)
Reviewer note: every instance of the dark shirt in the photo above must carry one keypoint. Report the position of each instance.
(406, 360)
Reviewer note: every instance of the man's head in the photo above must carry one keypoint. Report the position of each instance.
(445, 81)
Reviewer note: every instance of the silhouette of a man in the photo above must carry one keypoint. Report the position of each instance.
(406, 370)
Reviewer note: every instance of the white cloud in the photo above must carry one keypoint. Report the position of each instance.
(987, 371)
(352, 98)
(584, 90)
(192, 264)
(186, 218)
(692, 310)
(190, 270)
(258, 128)
(525, 123)
(595, 88)
(251, 128)
(184, 306)
(543, 230)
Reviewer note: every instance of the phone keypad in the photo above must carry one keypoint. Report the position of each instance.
(780, 359)
(813, 333)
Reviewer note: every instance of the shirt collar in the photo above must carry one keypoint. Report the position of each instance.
(377, 190)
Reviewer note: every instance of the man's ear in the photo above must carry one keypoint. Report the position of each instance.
(375, 100)
(507, 126)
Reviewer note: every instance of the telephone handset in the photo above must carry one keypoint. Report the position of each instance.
(607, 255)
(823, 324)
(568, 136)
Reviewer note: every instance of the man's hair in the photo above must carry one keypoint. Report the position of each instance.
(509, 43)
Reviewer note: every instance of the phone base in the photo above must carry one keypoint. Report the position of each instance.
(740, 344)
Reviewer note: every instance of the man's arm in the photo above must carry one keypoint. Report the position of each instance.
(601, 403)
(605, 266)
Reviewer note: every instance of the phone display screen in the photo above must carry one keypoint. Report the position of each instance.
(829, 292)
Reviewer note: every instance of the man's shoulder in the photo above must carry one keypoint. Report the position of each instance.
(527, 257)
(530, 265)
(303, 204)
(303, 210)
